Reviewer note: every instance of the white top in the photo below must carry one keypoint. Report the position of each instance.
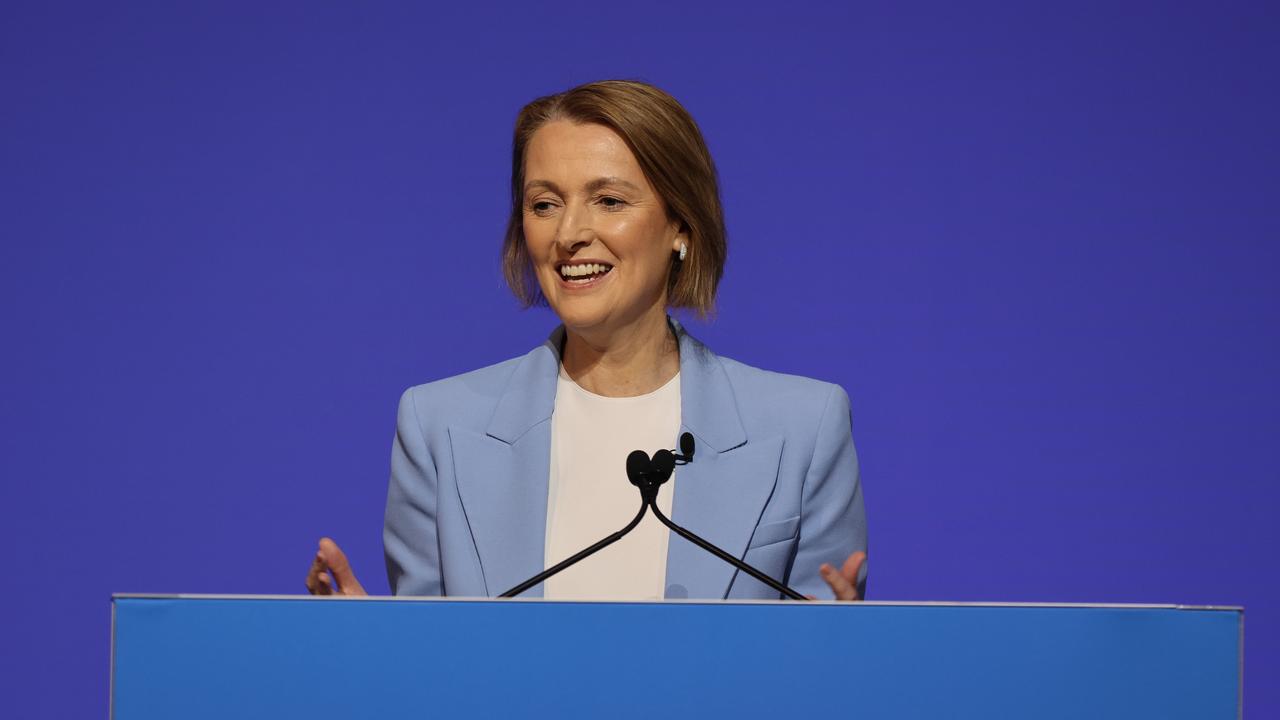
(590, 497)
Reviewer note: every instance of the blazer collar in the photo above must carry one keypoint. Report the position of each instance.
(529, 396)
(708, 408)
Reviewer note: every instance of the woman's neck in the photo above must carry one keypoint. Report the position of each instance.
(630, 361)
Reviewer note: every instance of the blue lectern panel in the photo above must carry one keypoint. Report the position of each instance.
(339, 658)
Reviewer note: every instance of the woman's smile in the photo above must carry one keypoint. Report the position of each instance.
(583, 275)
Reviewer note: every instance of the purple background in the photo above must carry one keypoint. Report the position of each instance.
(1037, 246)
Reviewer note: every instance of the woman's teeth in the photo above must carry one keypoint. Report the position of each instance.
(582, 273)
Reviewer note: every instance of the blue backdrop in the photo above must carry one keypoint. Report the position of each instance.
(1037, 245)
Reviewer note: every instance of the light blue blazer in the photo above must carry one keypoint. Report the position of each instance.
(774, 479)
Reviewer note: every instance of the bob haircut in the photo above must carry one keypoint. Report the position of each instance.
(674, 158)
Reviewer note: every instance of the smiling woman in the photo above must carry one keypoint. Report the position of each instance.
(600, 240)
(501, 472)
(647, 132)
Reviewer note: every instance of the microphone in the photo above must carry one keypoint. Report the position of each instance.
(686, 449)
(642, 473)
(648, 474)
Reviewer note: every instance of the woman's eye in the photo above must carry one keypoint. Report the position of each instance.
(611, 202)
(541, 206)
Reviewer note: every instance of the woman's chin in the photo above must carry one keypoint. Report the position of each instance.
(580, 316)
(594, 313)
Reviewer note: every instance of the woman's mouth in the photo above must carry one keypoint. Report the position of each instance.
(581, 275)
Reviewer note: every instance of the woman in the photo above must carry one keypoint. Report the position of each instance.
(498, 473)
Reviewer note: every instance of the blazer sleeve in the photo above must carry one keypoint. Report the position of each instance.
(833, 521)
(409, 534)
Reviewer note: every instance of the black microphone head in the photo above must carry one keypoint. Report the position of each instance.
(663, 463)
(686, 446)
(638, 467)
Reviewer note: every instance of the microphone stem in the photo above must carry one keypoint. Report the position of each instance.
(723, 555)
(582, 555)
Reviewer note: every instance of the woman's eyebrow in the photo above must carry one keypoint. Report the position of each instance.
(602, 182)
(541, 183)
(594, 185)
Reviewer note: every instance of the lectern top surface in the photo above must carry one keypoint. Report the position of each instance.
(867, 603)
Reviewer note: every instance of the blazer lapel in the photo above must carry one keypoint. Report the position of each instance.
(719, 496)
(722, 493)
(502, 474)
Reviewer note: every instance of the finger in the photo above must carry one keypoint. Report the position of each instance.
(335, 561)
(840, 585)
(344, 578)
(315, 578)
(311, 575)
(853, 565)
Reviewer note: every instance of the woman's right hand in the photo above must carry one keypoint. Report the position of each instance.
(330, 572)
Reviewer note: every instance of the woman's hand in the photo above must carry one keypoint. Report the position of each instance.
(330, 572)
(844, 582)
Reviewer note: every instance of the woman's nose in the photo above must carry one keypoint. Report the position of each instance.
(573, 244)
(575, 230)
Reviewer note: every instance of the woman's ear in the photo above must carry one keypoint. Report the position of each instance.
(681, 238)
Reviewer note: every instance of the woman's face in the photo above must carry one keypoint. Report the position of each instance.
(597, 233)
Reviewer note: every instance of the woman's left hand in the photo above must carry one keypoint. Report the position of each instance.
(844, 582)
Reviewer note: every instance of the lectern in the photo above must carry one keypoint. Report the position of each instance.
(187, 656)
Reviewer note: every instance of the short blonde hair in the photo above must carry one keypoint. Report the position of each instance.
(674, 157)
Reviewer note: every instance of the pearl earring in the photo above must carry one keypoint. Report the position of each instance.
(684, 250)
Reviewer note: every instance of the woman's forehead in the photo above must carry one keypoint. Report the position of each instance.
(567, 152)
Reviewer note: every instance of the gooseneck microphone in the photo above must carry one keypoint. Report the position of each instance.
(638, 464)
(648, 474)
